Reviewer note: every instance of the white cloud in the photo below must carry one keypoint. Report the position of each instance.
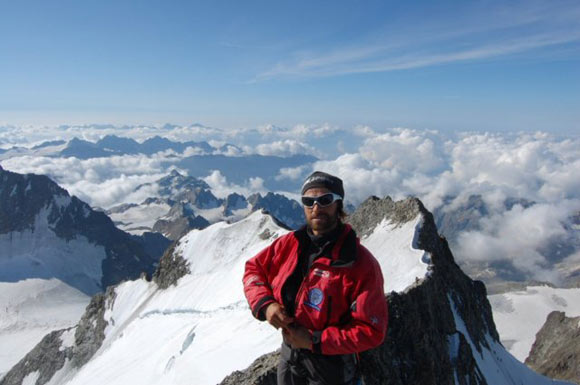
(221, 188)
(364, 131)
(270, 129)
(318, 131)
(519, 236)
(537, 167)
(361, 178)
(192, 151)
(398, 162)
(293, 173)
(405, 150)
(101, 182)
(285, 148)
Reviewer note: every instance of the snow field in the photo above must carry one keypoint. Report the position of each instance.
(139, 219)
(519, 315)
(29, 310)
(179, 348)
(196, 332)
(393, 246)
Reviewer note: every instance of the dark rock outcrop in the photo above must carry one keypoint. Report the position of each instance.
(286, 210)
(179, 221)
(260, 372)
(90, 332)
(556, 351)
(374, 210)
(425, 344)
(172, 266)
(47, 358)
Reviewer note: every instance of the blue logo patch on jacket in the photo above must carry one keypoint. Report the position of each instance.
(315, 298)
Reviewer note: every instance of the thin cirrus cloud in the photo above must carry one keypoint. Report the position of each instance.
(478, 35)
(377, 60)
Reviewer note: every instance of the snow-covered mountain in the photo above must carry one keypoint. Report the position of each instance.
(184, 203)
(55, 252)
(45, 233)
(191, 323)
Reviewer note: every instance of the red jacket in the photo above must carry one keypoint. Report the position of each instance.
(341, 299)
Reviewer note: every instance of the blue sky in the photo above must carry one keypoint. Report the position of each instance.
(445, 65)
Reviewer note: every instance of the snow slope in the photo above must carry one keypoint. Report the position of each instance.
(519, 315)
(496, 364)
(140, 218)
(197, 332)
(395, 247)
(202, 329)
(30, 309)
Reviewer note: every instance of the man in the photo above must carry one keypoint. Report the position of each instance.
(322, 288)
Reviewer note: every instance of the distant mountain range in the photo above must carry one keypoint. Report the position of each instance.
(185, 202)
(109, 145)
(199, 159)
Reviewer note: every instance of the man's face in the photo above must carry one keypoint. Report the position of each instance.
(320, 219)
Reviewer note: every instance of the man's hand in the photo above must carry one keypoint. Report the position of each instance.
(298, 337)
(277, 317)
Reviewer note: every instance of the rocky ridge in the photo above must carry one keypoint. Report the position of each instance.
(556, 351)
(441, 328)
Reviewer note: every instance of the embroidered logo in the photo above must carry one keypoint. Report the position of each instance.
(254, 279)
(315, 298)
(321, 273)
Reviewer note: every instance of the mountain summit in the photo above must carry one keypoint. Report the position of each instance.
(191, 323)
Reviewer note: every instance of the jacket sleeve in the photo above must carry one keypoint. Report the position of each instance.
(257, 287)
(368, 323)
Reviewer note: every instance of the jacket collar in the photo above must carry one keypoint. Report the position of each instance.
(344, 251)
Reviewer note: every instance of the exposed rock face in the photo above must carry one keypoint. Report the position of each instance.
(285, 210)
(46, 358)
(50, 355)
(179, 221)
(90, 332)
(234, 202)
(556, 351)
(374, 210)
(260, 372)
(172, 266)
(425, 345)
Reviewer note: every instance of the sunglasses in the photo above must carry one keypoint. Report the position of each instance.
(322, 200)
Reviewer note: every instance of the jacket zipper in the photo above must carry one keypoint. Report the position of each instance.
(328, 311)
(300, 290)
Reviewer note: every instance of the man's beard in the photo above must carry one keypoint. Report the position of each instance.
(324, 223)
